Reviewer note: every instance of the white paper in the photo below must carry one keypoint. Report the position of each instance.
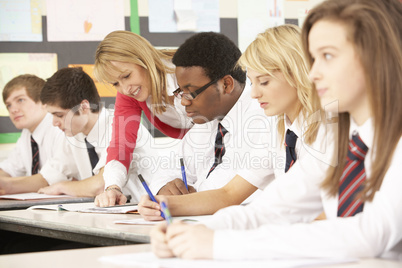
(89, 20)
(184, 15)
(88, 208)
(255, 16)
(20, 20)
(30, 196)
(187, 219)
(148, 259)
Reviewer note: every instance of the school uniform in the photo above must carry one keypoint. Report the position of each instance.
(274, 158)
(244, 129)
(19, 162)
(279, 223)
(78, 163)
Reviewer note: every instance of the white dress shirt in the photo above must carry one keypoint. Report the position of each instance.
(19, 162)
(78, 165)
(279, 223)
(248, 130)
(275, 156)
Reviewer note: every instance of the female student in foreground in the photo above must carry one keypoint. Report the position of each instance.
(279, 77)
(355, 51)
(145, 81)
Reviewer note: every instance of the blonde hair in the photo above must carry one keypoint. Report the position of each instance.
(125, 46)
(280, 49)
(374, 29)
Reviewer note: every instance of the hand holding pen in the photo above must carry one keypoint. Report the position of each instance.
(149, 192)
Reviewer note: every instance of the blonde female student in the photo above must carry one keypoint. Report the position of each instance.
(354, 47)
(145, 81)
(279, 77)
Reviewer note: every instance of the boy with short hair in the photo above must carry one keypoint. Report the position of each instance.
(20, 172)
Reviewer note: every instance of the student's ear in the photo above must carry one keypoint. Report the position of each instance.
(85, 107)
(228, 84)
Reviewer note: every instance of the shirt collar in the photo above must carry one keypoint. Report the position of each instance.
(232, 117)
(99, 127)
(365, 131)
(40, 131)
(296, 126)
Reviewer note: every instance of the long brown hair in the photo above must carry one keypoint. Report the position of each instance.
(374, 28)
(125, 46)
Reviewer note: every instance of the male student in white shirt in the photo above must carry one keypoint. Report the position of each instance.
(73, 100)
(20, 172)
(214, 91)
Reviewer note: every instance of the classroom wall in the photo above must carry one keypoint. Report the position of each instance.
(83, 52)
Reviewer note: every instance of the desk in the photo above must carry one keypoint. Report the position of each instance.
(89, 258)
(7, 204)
(88, 228)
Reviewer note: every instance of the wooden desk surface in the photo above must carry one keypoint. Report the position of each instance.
(89, 258)
(89, 228)
(7, 204)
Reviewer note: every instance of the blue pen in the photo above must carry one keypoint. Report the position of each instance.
(183, 173)
(149, 191)
(166, 211)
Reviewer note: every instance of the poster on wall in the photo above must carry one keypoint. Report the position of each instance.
(42, 65)
(77, 20)
(168, 16)
(255, 16)
(20, 21)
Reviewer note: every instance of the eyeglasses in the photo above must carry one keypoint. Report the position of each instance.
(191, 95)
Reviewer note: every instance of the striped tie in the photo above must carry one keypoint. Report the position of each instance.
(219, 147)
(354, 174)
(290, 143)
(35, 157)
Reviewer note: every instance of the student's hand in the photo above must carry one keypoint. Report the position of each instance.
(109, 198)
(176, 187)
(54, 189)
(190, 241)
(149, 210)
(4, 185)
(158, 241)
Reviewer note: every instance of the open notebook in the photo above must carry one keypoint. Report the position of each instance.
(90, 208)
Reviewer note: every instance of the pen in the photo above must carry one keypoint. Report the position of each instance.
(183, 173)
(166, 211)
(149, 192)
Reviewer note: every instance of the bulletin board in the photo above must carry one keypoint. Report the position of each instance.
(232, 13)
(84, 53)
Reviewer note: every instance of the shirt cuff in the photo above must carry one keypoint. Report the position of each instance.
(115, 173)
(52, 175)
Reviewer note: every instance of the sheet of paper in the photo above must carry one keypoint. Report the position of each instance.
(148, 259)
(77, 20)
(188, 219)
(89, 208)
(184, 15)
(255, 16)
(20, 20)
(29, 196)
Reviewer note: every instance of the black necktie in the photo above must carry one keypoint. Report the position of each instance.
(354, 174)
(93, 157)
(35, 156)
(219, 147)
(290, 143)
